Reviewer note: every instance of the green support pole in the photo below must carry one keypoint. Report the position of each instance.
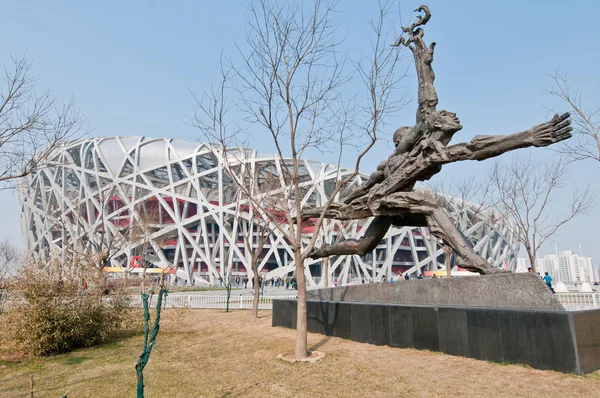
(148, 343)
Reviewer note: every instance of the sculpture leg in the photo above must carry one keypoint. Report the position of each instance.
(442, 227)
(373, 235)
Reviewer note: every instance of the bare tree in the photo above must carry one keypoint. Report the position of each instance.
(32, 123)
(524, 191)
(256, 233)
(290, 85)
(9, 259)
(258, 224)
(585, 143)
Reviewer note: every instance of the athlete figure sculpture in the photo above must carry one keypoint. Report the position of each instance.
(420, 153)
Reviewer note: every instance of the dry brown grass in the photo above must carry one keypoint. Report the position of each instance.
(209, 353)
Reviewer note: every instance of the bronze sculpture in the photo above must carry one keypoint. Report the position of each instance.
(420, 153)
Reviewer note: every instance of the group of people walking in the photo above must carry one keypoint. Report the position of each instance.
(286, 282)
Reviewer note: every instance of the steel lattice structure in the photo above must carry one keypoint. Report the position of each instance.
(96, 190)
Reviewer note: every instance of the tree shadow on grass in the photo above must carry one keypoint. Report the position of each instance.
(321, 343)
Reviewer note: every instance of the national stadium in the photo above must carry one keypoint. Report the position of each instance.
(95, 192)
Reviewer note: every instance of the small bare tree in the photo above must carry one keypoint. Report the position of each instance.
(524, 191)
(9, 260)
(256, 226)
(32, 123)
(290, 85)
(585, 143)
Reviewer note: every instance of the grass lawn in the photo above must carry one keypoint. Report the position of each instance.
(210, 353)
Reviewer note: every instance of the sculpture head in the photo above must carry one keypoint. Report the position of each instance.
(399, 133)
(445, 121)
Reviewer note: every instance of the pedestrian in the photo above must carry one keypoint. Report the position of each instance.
(237, 281)
(548, 279)
(246, 282)
(406, 277)
(335, 281)
(287, 282)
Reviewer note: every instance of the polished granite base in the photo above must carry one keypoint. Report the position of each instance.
(545, 338)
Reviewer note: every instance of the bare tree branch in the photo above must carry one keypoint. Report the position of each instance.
(585, 143)
(290, 85)
(9, 260)
(32, 123)
(524, 191)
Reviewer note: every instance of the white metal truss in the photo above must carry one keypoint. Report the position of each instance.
(96, 189)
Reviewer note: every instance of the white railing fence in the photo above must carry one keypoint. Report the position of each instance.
(236, 302)
(571, 301)
(576, 301)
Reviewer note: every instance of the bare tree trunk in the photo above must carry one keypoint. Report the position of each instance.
(325, 272)
(301, 324)
(532, 261)
(256, 287)
(448, 260)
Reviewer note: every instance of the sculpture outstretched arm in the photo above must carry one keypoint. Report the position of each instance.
(433, 154)
(485, 147)
(423, 55)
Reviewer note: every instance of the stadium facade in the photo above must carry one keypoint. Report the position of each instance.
(195, 222)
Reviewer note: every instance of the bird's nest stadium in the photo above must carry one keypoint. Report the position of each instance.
(95, 191)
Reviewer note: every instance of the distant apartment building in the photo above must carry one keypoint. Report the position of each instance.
(522, 265)
(548, 264)
(567, 267)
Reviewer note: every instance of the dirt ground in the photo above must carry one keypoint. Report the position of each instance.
(210, 353)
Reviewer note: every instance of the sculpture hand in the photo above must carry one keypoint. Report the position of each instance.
(557, 129)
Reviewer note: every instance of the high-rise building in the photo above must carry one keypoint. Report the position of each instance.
(567, 267)
(522, 265)
(548, 264)
(590, 275)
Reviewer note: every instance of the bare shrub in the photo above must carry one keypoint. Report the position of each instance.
(53, 308)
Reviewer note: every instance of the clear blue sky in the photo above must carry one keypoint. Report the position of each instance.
(130, 66)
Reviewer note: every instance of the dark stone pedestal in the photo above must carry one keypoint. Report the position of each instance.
(502, 318)
(558, 340)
